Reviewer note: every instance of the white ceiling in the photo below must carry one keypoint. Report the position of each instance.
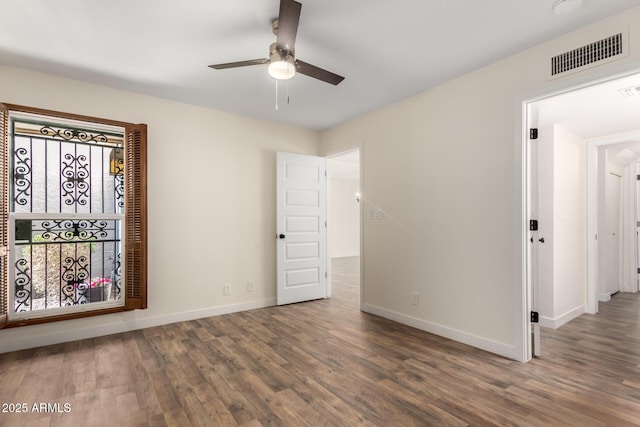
(595, 111)
(599, 112)
(387, 50)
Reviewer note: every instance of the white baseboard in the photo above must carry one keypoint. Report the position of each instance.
(345, 255)
(51, 333)
(500, 349)
(552, 323)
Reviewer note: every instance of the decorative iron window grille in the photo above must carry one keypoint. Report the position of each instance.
(66, 215)
(65, 170)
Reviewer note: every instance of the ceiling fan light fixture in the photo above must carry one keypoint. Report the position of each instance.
(282, 68)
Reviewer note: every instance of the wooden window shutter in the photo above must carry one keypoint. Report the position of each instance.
(135, 263)
(4, 213)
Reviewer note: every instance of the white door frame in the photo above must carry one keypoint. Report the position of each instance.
(571, 83)
(338, 153)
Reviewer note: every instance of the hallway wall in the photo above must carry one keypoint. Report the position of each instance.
(452, 229)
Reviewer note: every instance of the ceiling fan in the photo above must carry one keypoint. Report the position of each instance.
(283, 64)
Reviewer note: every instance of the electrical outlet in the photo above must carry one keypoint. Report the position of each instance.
(250, 286)
(226, 289)
(414, 298)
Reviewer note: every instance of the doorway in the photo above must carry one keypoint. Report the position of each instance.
(344, 224)
(587, 236)
(614, 190)
(610, 238)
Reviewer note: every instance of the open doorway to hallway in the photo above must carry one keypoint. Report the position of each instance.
(344, 224)
(588, 157)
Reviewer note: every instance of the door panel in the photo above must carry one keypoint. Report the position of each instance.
(533, 255)
(612, 217)
(301, 228)
(300, 251)
(302, 198)
(302, 224)
(302, 277)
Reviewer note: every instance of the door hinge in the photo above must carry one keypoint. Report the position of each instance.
(533, 225)
(325, 173)
(534, 317)
(533, 133)
(638, 270)
(325, 275)
(325, 224)
(638, 177)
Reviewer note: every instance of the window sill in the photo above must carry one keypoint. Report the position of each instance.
(60, 317)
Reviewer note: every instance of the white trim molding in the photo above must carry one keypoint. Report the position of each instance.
(549, 322)
(510, 352)
(123, 323)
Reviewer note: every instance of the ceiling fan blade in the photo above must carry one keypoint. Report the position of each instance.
(317, 73)
(240, 64)
(288, 24)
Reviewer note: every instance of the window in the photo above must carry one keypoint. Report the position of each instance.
(73, 211)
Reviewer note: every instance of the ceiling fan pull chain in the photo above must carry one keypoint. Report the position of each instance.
(287, 83)
(276, 95)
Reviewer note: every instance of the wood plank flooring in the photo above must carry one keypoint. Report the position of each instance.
(324, 363)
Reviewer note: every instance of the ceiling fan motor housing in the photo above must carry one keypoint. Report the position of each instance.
(276, 54)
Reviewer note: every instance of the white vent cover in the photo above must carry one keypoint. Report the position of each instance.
(588, 54)
(629, 92)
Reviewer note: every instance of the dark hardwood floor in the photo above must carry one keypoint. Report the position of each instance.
(325, 363)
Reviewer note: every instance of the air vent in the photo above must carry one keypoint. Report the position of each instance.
(630, 92)
(585, 55)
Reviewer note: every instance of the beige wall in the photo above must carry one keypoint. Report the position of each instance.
(344, 219)
(211, 203)
(446, 168)
(546, 180)
(563, 221)
(570, 228)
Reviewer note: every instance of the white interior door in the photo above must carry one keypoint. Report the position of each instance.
(301, 210)
(636, 218)
(612, 215)
(533, 255)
